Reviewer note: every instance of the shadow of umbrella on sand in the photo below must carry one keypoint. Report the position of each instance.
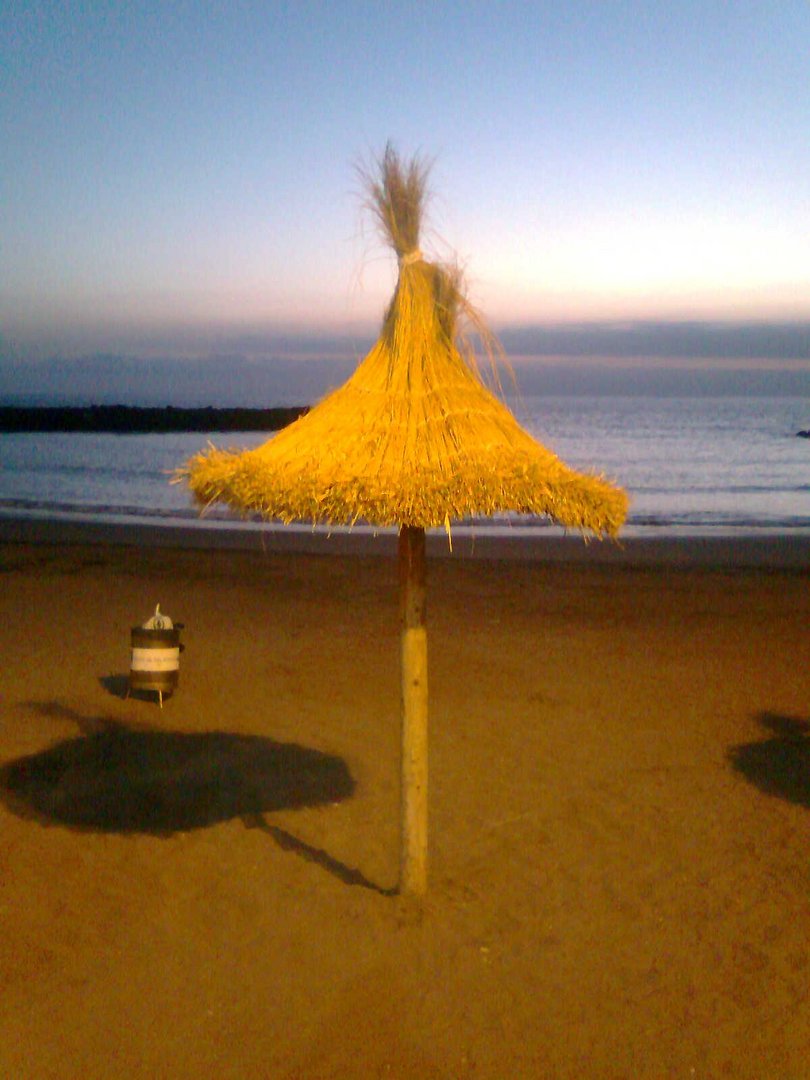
(779, 766)
(415, 439)
(119, 780)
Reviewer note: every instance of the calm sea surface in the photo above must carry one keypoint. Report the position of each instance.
(691, 465)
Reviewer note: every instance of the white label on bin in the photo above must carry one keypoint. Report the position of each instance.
(155, 659)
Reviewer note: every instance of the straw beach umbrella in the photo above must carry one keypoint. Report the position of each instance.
(414, 439)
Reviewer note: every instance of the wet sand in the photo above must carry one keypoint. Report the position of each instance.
(620, 810)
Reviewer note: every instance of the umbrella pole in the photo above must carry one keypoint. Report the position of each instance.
(413, 855)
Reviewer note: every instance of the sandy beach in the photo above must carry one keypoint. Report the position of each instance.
(620, 791)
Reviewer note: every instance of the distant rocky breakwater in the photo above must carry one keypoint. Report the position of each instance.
(133, 419)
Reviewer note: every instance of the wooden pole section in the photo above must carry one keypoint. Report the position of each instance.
(413, 854)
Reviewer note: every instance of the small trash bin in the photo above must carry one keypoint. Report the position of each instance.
(155, 663)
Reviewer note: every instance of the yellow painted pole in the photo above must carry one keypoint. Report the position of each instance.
(413, 854)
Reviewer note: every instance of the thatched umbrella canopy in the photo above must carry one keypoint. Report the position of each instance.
(415, 439)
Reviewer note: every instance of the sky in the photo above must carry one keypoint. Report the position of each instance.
(181, 180)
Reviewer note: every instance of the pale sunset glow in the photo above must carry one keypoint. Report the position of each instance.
(175, 183)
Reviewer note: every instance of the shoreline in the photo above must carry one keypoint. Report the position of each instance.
(727, 551)
(142, 420)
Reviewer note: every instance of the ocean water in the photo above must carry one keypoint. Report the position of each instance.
(691, 465)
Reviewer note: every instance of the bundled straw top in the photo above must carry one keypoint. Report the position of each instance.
(414, 437)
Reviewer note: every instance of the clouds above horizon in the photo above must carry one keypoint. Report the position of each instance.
(235, 380)
(650, 339)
